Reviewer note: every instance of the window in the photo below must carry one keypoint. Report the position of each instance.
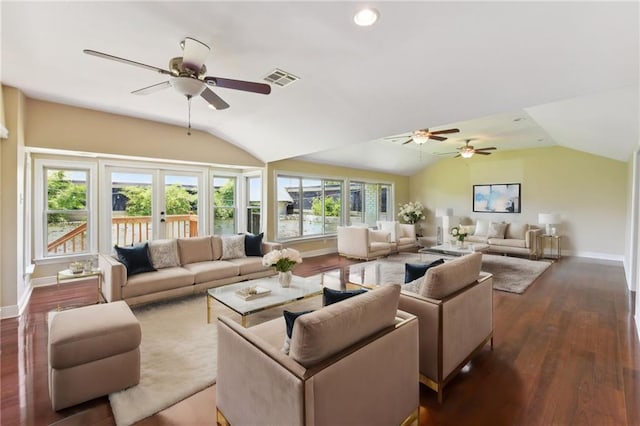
(370, 202)
(224, 205)
(254, 203)
(65, 208)
(308, 207)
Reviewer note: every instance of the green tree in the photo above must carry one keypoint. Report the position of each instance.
(63, 194)
(331, 206)
(179, 200)
(222, 197)
(138, 200)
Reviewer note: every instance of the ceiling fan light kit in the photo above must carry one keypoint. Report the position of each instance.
(366, 17)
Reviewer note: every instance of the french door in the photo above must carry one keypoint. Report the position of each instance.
(143, 204)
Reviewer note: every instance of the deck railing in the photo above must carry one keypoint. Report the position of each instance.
(128, 230)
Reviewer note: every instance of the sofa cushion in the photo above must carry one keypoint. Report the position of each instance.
(329, 330)
(253, 244)
(443, 280)
(516, 231)
(413, 271)
(482, 228)
(211, 271)
(378, 237)
(496, 230)
(249, 265)
(330, 296)
(476, 239)
(232, 247)
(507, 242)
(195, 249)
(135, 258)
(164, 253)
(216, 243)
(160, 280)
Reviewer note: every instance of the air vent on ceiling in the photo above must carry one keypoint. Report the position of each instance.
(281, 78)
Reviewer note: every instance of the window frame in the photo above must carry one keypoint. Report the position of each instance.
(237, 201)
(40, 207)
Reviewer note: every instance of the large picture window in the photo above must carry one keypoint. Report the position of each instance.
(307, 206)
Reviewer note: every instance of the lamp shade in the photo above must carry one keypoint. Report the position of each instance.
(442, 212)
(548, 218)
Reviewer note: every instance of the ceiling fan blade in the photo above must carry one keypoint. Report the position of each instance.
(247, 86)
(395, 137)
(457, 156)
(482, 153)
(195, 53)
(441, 132)
(409, 141)
(491, 148)
(437, 138)
(447, 153)
(213, 99)
(125, 61)
(152, 89)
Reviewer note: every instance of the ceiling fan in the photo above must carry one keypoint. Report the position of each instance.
(187, 76)
(467, 151)
(421, 136)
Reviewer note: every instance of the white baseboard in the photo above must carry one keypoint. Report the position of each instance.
(637, 317)
(11, 311)
(43, 281)
(594, 255)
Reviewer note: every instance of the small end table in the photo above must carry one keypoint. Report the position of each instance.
(553, 240)
(67, 275)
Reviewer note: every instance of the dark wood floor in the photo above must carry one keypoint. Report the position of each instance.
(566, 353)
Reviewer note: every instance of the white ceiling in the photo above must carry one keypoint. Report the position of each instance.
(568, 70)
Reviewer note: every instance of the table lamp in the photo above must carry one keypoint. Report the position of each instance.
(441, 213)
(548, 219)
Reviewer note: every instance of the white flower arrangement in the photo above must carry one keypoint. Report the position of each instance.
(457, 232)
(411, 212)
(283, 260)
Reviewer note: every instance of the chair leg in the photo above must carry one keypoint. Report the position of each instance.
(221, 420)
(491, 342)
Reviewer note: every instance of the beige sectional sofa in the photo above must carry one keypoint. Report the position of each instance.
(195, 264)
(504, 238)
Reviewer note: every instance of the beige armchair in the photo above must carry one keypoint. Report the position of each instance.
(354, 362)
(363, 243)
(406, 237)
(454, 306)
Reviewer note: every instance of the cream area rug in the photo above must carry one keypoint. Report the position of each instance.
(511, 274)
(178, 357)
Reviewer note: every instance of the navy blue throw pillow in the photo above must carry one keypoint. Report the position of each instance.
(253, 244)
(135, 258)
(333, 296)
(413, 271)
(290, 318)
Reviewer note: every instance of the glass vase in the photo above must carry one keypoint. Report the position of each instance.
(285, 278)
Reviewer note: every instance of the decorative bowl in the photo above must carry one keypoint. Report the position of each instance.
(76, 267)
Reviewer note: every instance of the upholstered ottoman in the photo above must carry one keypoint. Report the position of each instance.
(93, 351)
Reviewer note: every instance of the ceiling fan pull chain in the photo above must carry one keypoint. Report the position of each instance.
(189, 104)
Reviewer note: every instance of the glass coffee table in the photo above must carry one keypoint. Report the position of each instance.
(466, 248)
(300, 288)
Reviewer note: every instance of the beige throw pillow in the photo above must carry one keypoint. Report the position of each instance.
(482, 228)
(164, 253)
(232, 247)
(496, 230)
(516, 231)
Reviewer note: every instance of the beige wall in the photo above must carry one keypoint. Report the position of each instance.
(12, 285)
(590, 192)
(401, 184)
(56, 126)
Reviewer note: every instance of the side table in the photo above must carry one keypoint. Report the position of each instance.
(553, 243)
(67, 275)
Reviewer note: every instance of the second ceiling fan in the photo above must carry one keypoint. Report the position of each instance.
(421, 136)
(467, 151)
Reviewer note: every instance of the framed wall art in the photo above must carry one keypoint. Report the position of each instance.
(497, 198)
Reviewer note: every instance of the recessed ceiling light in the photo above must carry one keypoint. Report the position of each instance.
(366, 17)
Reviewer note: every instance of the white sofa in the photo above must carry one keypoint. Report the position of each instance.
(503, 237)
(360, 242)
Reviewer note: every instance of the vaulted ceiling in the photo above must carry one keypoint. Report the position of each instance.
(507, 74)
